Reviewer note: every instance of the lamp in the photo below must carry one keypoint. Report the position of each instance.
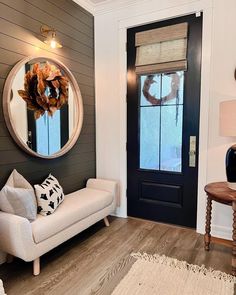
(228, 128)
(50, 35)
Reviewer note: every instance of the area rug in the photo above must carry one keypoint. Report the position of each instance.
(162, 275)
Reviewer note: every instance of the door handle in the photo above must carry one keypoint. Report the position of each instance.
(29, 141)
(192, 151)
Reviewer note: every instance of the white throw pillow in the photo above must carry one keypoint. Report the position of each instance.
(18, 197)
(49, 195)
(17, 180)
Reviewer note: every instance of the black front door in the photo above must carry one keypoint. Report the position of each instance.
(162, 143)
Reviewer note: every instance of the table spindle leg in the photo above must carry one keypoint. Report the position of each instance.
(207, 236)
(234, 240)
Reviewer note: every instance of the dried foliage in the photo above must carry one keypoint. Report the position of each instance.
(45, 89)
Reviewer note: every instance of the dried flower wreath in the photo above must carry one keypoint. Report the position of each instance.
(174, 91)
(45, 89)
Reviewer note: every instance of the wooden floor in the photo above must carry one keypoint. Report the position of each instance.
(96, 260)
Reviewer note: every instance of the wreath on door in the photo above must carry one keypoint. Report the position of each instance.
(174, 91)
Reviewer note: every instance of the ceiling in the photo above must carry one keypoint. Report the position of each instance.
(98, 6)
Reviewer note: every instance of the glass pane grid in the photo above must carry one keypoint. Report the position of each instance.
(161, 121)
(163, 105)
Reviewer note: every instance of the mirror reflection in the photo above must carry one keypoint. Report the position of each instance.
(43, 107)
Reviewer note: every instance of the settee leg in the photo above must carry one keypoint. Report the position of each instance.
(10, 258)
(106, 221)
(36, 266)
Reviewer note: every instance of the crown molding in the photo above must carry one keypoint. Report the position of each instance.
(87, 5)
(106, 6)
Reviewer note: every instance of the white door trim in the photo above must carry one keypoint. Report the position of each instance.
(206, 7)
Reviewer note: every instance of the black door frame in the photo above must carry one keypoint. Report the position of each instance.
(150, 26)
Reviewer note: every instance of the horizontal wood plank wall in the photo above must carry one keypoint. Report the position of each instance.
(20, 22)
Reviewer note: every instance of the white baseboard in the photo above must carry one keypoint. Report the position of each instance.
(119, 215)
(221, 232)
(120, 212)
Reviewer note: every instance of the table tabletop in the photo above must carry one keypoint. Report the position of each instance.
(220, 192)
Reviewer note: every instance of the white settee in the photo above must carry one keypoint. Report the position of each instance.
(79, 210)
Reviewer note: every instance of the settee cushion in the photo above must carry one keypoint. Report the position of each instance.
(76, 206)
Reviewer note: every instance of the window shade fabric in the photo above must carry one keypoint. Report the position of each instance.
(161, 50)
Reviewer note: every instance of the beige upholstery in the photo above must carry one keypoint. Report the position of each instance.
(107, 185)
(75, 207)
(18, 236)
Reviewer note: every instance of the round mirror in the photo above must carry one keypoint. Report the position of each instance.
(42, 106)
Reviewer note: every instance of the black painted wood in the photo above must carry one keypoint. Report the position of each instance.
(20, 23)
(161, 195)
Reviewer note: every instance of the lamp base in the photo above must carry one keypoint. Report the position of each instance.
(230, 163)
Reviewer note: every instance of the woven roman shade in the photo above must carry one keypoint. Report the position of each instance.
(162, 50)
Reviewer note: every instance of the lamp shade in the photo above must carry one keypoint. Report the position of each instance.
(228, 118)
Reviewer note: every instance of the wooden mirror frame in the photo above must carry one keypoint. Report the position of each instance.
(8, 116)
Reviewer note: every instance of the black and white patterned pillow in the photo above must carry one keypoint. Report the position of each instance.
(49, 195)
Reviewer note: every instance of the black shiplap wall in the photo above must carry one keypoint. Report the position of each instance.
(20, 22)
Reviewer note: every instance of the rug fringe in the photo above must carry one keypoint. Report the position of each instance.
(165, 260)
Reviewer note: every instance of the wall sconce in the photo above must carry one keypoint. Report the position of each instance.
(50, 35)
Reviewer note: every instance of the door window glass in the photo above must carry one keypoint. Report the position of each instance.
(48, 134)
(161, 121)
(149, 137)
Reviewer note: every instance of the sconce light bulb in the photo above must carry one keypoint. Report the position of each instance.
(50, 35)
(53, 43)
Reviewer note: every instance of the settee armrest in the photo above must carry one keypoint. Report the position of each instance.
(105, 185)
(16, 236)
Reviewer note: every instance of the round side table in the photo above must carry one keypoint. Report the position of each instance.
(219, 192)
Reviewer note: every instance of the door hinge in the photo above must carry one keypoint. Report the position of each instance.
(126, 146)
(126, 193)
(126, 46)
(126, 98)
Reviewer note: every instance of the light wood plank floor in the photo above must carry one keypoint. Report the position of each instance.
(96, 260)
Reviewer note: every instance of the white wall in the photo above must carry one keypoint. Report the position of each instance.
(219, 61)
(223, 87)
